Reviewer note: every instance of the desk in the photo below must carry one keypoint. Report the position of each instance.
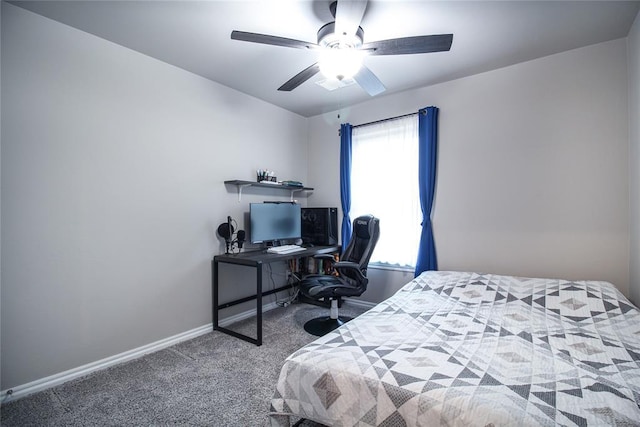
(255, 259)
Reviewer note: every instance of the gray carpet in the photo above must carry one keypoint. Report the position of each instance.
(212, 380)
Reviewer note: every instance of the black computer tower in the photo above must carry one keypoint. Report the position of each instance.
(320, 226)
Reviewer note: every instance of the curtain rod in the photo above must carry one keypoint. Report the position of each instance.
(384, 120)
(421, 111)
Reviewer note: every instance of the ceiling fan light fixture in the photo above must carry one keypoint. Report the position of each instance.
(340, 64)
(341, 48)
(329, 38)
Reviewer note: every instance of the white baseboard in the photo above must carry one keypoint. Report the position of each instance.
(62, 377)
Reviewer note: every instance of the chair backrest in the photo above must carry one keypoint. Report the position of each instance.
(366, 230)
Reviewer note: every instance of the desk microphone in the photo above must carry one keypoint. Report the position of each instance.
(240, 236)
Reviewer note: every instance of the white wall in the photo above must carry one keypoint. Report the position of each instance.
(633, 53)
(112, 167)
(112, 187)
(532, 167)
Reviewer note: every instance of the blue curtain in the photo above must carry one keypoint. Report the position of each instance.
(345, 181)
(428, 144)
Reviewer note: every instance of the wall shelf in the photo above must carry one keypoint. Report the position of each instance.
(244, 184)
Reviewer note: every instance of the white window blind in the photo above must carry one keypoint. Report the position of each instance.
(384, 183)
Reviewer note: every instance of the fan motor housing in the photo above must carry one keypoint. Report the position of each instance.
(328, 38)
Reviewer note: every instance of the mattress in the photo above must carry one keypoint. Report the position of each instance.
(458, 348)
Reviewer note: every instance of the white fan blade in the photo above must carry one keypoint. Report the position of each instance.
(349, 14)
(369, 82)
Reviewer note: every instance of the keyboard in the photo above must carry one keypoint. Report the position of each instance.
(285, 249)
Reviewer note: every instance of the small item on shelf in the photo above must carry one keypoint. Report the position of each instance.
(292, 183)
(266, 176)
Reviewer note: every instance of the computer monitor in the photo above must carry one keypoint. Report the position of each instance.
(272, 222)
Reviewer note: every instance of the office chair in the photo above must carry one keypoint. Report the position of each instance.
(351, 279)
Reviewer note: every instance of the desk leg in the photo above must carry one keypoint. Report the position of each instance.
(259, 304)
(214, 291)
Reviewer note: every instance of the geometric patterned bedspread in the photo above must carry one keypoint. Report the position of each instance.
(453, 349)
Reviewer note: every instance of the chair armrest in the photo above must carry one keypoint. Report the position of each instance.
(329, 260)
(352, 267)
(346, 264)
(325, 257)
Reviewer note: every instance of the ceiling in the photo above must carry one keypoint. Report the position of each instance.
(195, 36)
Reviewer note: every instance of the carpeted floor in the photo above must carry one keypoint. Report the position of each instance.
(212, 380)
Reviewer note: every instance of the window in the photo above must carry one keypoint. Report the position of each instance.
(384, 183)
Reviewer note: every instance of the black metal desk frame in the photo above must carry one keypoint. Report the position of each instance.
(254, 259)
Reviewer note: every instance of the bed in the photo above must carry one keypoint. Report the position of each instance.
(457, 348)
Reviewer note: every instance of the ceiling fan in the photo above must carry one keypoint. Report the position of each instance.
(342, 48)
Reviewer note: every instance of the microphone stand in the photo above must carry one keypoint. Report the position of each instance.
(229, 241)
